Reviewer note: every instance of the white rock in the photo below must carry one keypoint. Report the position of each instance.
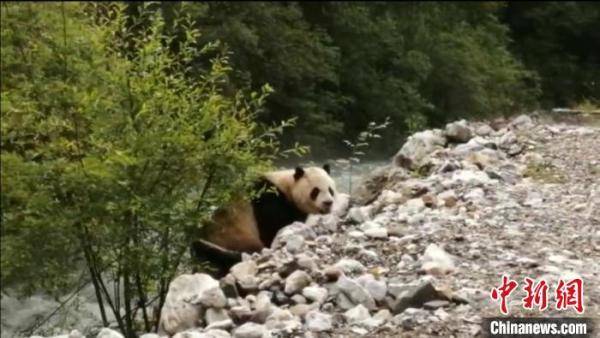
(216, 315)
(282, 320)
(377, 289)
(340, 205)
(249, 282)
(109, 333)
(368, 254)
(470, 177)
(263, 307)
(296, 282)
(357, 314)
(317, 321)
(522, 122)
(388, 197)
(243, 269)
(360, 214)
(76, 334)
(417, 147)
(150, 335)
(209, 333)
(294, 243)
(377, 233)
(250, 330)
(356, 234)
(436, 261)
(355, 292)
(348, 265)
(484, 130)
(384, 314)
(190, 334)
(370, 225)
(414, 205)
(475, 195)
(316, 294)
(361, 332)
(304, 230)
(458, 131)
(306, 262)
(225, 324)
(213, 297)
(182, 309)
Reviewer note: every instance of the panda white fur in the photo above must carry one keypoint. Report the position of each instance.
(250, 225)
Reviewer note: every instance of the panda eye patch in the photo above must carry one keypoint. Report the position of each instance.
(331, 191)
(314, 193)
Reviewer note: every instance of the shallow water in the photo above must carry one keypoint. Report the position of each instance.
(346, 179)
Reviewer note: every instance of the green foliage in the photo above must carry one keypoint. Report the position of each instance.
(111, 153)
(337, 66)
(273, 43)
(559, 41)
(358, 147)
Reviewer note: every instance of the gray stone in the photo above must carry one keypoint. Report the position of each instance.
(377, 233)
(435, 304)
(243, 269)
(357, 314)
(241, 313)
(301, 310)
(436, 261)
(296, 282)
(190, 334)
(317, 321)
(182, 309)
(458, 131)
(377, 289)
(304, 230)
(216, 333)
(109, 333)
(417, 147)
(282, 320)
(215, 315)
(262, 307)
(298, 299)
(294, 243)
(349, 266)
(355, 292)
(213, 297)
(315, 294)
(150, 335)
(250, 330)
(522, 122)
(360, 214)
(416, 297)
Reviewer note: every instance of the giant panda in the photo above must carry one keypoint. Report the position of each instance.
(249, 225)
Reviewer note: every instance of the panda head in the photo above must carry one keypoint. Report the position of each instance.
(313, 190)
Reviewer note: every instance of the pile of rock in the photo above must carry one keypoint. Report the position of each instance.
(434, 232)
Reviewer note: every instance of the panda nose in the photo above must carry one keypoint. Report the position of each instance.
(328, 203)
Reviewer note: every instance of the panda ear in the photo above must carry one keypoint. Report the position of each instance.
(298, 173)
(327, 168)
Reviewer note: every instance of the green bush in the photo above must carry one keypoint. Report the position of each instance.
(111, 154)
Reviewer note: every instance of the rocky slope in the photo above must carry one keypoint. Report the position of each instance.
(418, 251)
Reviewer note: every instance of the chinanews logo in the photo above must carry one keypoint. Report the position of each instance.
(566, 295)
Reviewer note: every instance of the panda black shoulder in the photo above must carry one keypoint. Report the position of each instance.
(273, 210)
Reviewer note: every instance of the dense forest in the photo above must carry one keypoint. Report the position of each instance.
(337, 66)
(123, 124)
